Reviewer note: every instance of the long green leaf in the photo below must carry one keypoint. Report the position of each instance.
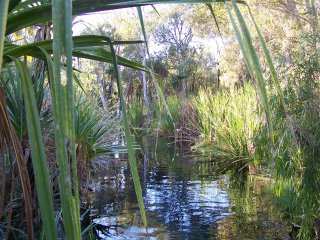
(78, 42)
(161, 98)
(131, 155)
(4, 5)
(154, 8)
(143, 29)
(214, 17)
(19, 6)
(268, 57)
(84, 47)
(153, 76)
(275, 78)
(39, 163)
(253, 64)
(38, 14)
(103, 55)
(63, 116)
(240, 40)
(13, 4)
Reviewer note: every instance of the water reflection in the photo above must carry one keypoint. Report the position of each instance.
(255, 215)
(184, 200)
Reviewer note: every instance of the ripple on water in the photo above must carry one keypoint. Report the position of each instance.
(181, 203)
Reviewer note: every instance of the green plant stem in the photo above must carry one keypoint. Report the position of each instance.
(63, 115)
(4, 5)
(131, 155)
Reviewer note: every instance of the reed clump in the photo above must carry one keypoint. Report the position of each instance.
(228, 124)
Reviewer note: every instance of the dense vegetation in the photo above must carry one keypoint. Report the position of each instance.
(250, 102)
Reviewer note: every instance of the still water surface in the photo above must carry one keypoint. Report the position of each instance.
(184, 199)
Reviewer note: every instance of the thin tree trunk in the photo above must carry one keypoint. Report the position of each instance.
(145, 92)
(103, 93)
(102, 86)
(181, 70)
(110, 89)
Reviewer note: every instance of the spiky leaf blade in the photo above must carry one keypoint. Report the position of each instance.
(39, 163)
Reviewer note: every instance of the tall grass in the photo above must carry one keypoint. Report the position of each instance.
(166, 119)
(162, 122)
(137, 119)
(229, 122)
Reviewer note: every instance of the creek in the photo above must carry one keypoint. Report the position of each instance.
(184, 199)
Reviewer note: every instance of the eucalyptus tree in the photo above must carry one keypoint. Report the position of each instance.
(176, 35)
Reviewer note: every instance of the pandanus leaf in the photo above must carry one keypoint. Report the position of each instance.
(63, 103)
(32, 15)
(39, 163)
(130, 148)
(84, 47)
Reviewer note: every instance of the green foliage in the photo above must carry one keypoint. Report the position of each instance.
(252, 62)
(231, 124)
(12, 84)
(11, 146)
(61, 88)
(165, 122)
(38, 153)
(86, 46)
(297, 142)
(24, 103)
(228, 124)
(137, 118)
(94, 131)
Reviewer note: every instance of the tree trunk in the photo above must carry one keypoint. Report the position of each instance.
(102, 86)
(145, 92)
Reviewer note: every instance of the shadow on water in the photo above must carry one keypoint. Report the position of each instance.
(184, 199)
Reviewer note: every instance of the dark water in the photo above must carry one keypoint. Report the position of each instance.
(184, 199)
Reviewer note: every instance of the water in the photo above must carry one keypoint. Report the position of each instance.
(184, 200)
